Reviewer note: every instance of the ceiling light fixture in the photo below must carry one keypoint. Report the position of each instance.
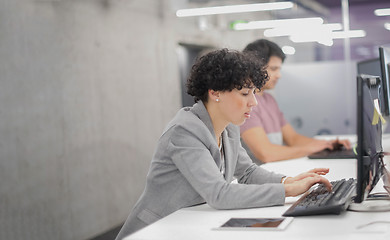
(382, 12)
(233, 9)
(326, 38)
(323, 37)
(288, 50)
(387, 26)
(278, 23)
(290, 30)
(348, 34)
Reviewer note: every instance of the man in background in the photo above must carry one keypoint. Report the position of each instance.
(267, 135)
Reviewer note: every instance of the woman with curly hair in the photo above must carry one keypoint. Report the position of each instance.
(199, 153)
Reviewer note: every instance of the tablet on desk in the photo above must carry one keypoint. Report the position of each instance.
(277, 224)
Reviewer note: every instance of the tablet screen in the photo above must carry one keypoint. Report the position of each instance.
(257, 223)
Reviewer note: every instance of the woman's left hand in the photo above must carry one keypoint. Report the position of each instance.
(318, 171)
(301, 183)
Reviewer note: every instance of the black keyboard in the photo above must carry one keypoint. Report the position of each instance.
(320, 201)
(333, 154)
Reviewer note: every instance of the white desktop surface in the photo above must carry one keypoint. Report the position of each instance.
(199, 222)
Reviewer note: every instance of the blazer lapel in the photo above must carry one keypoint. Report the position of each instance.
(229, 153)
(200, 110)
(229, 145)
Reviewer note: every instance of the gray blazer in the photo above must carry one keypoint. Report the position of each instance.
(185, 172)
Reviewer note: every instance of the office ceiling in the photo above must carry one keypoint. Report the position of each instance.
(337, 3)
(361, 18)
(325, 3)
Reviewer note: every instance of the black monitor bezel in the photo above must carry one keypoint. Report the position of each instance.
(369, 159)
(384, 60)
(363, 63)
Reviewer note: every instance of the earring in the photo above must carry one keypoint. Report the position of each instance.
(217, 99)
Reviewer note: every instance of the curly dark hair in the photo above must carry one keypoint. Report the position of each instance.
(225, 70)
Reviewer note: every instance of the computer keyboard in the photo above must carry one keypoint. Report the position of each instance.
(333, 154)
(320, 201)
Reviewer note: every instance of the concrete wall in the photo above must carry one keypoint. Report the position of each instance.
(86, 88)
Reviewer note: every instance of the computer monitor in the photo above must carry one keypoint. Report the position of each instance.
(384, 58)
(373, 67)
(369, 67)
(369, 133)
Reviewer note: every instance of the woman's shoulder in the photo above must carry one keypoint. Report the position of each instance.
(186, 121)
(186, 118)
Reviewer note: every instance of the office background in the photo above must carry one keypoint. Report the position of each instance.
(87, 87)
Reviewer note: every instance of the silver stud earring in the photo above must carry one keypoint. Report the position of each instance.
(217, 99)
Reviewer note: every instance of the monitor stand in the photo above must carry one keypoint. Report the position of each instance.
(377, 202)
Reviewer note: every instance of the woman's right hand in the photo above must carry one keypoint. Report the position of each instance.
(295, 186)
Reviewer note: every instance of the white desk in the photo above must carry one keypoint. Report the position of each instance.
(198, 222)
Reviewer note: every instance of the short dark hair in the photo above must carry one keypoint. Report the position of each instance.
(225, 70)
(264, 49)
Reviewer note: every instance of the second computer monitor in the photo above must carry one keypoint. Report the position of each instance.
(379, 67)
(369, 131)
(369, 67)
(384, 58)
